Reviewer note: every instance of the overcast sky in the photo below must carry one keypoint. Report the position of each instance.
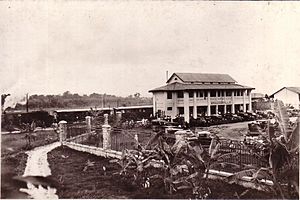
(125, 47)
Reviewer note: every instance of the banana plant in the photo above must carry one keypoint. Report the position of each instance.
(184, 165)
(283, 159)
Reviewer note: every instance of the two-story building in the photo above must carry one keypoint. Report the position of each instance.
(195, 94)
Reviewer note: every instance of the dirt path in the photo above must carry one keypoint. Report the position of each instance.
(37, 165)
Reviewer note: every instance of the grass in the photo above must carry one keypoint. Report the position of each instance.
(14, 158)
(14, 143)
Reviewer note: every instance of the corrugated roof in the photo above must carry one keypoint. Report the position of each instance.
(185, 86)
(203, 77)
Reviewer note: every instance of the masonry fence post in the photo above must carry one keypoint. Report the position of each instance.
(88, 121)
(106, 128)
(62, 131)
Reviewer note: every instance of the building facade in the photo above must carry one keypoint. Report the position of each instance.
(289, 96)
(198, 94)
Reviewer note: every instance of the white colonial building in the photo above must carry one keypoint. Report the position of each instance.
(195, 94)
(289, 96)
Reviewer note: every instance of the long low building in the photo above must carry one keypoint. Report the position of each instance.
(194, 94)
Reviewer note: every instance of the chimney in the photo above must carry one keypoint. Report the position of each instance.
(167, 75)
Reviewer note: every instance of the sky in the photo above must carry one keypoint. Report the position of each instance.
(124, 47)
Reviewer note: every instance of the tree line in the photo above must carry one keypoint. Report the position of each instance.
(69, 100)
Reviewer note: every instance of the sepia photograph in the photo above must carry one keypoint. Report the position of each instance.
(150, 99)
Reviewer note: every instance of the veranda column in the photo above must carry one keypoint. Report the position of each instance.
(250, 102)
(88, 121)
(217, 109)
(195, 105)
(186, 106)
(154, 105)
(106, 128)
(232, 102)
(62, 128)
(174, 108)
(225, 101)
(208, 103)
(244, 101)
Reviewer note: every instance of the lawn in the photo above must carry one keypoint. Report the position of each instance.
(78, 179)
(14, 158)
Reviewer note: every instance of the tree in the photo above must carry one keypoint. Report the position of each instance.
(3, 97)
(67, 93)
(137, 95)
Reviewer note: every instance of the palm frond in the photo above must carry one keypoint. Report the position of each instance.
(262, 173)
(282, 117)
(213, 147)
(238, 175)
(293, 141)
(226, 156)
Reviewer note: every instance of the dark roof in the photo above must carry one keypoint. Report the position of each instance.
(201, 77)
(293, 89)
(257, 95)
(186, 86)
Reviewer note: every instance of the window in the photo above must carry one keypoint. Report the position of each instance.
(228, 93)
(201, 94)
(191, 94)
(213, 93)
(169, 95)
(169, 108)
(180, 94)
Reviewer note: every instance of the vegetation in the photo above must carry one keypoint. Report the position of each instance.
(185, 165)
(13, 158)
(182, 166)
(69, 100)
(283, 169)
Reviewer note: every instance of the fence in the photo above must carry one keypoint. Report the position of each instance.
(245, 154)
(121, 139)
(76, 129)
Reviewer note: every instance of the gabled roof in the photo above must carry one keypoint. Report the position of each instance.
(194, 86)
(293, 89)
(203, 77)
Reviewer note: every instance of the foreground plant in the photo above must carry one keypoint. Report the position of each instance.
(182, 166)
(283, 169)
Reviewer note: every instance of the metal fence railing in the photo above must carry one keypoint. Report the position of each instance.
(121, 140)
(245, 154)
(76, 129)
